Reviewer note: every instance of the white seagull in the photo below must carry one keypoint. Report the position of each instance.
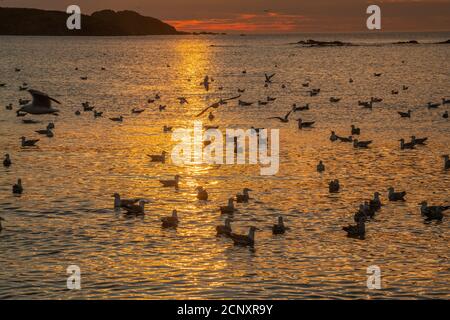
(42, 104)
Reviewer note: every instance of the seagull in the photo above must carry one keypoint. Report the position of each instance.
(334, 186)
(279, 228)
(17, 188)
(404, 145)
(396, 196)
(342, 139)
(333, 137)
(30, 121)
(97, 114)
(445, 101)
(302, 124)
(358, 231)
(138, 210)
(1, 227)
(244, 197)
(305, 85)
(284, 120)
(377, 74)
(365, 104)
(355, 131)
(211, 116)
(158, 158)
(241, 90)
(20, 114)
(229, 209)
(432, 212)
(269, 77)
(244, 240)
(41, 104)
(405, 87)
(262, 103)
(202, 194)
(375, 203)
(183, 100)
(119, 203)
(394, 92)
(28, 143)
(161, 108)
(7, 161)
(302, 108)
(217, 104)
(224, 230)
(167, 129)
(137, 111)
(420, 141)
(405, 114)
(171, 183)
(270, 99)
(87, 107)
(244, 103)
(320, 167)
(445, 115)
(431, 105)
(334, 100)
(374, 99)
(205, 83)
(170, 222)
(118, 119)
(46, 131)
(361, 144)
(9, 106)
(446, 162)
(78, 113)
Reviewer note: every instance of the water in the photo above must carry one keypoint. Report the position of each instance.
(65, 215)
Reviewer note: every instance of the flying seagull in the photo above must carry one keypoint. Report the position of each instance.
(217, 104)
(42, 104)
(285, 119)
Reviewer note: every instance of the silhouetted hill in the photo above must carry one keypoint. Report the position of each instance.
(19, 21)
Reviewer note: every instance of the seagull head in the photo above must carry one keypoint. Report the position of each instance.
(423, 204)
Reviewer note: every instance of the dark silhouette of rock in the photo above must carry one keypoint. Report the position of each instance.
(20, 21)
(407, 42)
(315, 43)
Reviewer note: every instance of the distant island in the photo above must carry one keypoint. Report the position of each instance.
(35, 22)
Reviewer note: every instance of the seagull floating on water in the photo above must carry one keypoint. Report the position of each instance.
(406, 145)
(396, 196)
(302, 124)
(358, 231)
(1, 227)
(320, 167)
(244, 197)
(432, 212)
(171, 183)
(355, 131)
(445, 115)
(119, 203)
(405, 114)
(229, 209)
(279, 228)
(244, 240)
(28, 143)
(446, 162)
(18, 188)
(202, 194)
(7, 161)
(117, 119)
(361, 144)
(334, 186)
(158, 158)
(138, 210)
(375, 203)
(172, 221)
(224, 230)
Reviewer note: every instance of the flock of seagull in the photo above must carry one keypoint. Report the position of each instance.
(42, 104)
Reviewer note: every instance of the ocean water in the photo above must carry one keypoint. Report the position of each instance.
(66, 216)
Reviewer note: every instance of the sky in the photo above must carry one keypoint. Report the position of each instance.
(270, 16)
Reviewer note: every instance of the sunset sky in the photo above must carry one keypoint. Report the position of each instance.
(271, 16)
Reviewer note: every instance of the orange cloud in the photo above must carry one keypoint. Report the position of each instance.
(244, 22)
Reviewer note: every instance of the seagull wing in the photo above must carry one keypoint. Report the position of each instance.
(232, 98)
(41, 99)
(286, 117)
